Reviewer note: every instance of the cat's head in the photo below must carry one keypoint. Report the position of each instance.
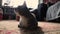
(22, 10)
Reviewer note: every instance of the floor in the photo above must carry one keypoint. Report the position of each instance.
(10, 27)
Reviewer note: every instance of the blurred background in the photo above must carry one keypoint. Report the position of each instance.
(7, 7)
(39, 8)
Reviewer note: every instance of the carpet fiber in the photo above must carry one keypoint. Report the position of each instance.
(10, 27)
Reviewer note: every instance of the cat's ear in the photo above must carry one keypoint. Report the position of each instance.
(24, 4)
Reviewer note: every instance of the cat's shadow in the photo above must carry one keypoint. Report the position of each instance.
(36, 31)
